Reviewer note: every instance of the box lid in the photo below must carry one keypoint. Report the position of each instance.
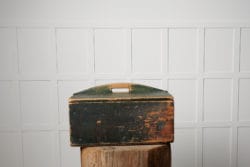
(120, 91)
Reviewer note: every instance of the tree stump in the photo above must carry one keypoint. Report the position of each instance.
(127, 156)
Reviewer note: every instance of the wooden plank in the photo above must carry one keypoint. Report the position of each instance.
(127, 156)
(121, 123)
(136, 92)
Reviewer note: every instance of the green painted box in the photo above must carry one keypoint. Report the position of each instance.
(121, 114)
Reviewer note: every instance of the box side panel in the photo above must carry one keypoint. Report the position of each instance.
(121, 123)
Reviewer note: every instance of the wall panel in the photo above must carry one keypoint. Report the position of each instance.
(205, 67)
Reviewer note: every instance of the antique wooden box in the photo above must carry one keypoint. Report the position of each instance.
(121, 114)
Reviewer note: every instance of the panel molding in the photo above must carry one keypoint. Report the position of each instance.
(159, 79)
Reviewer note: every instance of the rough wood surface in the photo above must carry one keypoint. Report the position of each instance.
(121, 123)
(127, 156)
(99, 117)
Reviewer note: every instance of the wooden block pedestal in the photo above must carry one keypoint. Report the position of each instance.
(127, 156)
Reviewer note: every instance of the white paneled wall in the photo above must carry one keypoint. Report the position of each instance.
(245, 50)
(36, 51)
(73, 50)
(183, 42)
(216, 146)
(205, 67)
(217, 100)
(147, 47)
(219, 50)
(110, 54)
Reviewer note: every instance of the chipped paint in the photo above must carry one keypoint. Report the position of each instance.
(145, 115)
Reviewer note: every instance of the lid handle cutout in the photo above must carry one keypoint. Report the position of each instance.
(120, 88)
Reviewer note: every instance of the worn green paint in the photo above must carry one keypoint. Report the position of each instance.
(137, 91)
(144, 115)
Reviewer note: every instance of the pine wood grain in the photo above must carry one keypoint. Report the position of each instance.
(127, 156)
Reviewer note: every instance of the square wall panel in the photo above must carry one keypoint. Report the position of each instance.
(110, 51)
(73, 50)
(147, 50)
(245, 50)
(10, 150)
(244, 97)
(183, 50)
(39, 149)
(217, 99)
(149, 82)
(184, 148)
(65, 91)
(70, 156)
(36, 50)
(219, 46)
(9, 105)
(216, 147)
(36, 103)
(8, 51)
(184, 92)
(243, 147)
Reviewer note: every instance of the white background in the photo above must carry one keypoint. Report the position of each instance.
(198, 50)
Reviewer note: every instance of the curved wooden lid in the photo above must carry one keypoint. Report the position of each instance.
(120, 91)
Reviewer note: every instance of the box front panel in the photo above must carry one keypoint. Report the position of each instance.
(121, 123)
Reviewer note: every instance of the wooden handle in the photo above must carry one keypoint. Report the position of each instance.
(120, 85)
(123, 87)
